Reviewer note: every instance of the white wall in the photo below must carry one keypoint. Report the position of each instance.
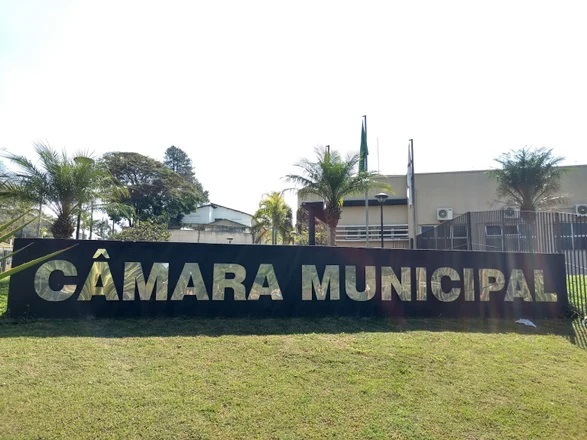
(208, 214)
(192, 236)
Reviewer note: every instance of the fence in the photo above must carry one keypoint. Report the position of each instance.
(394, 236)
(519, 231)
(5, 260)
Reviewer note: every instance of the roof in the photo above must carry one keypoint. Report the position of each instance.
(216, 205)
(469, 171)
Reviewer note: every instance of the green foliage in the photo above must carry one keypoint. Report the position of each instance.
(102, 229)
(154, 191)
(7, 231)
(577, 293)
(529, 178)
(57, 181)
(272, 222)
(332, 178)
(179, 162)
(146, 230)
(12, 208)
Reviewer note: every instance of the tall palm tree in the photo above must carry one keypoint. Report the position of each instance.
(61, 183)
(273, 217)
(332, 178)
(529, 178)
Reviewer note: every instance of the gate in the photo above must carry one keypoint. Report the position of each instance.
(512, 230)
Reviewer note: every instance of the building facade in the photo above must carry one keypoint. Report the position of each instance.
(213, 223)
(437, 198)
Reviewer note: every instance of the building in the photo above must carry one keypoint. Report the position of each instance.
(438, 197)
(214, 223)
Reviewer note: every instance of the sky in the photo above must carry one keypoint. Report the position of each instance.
(247, 89)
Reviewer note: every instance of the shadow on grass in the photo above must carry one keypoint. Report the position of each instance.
(573, 330)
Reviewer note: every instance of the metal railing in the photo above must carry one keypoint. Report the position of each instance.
(520, 231)
(394, 232)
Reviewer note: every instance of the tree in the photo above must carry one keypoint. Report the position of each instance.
(102, 229)
(529, 178)
(179, 162)
(148, 230)
(332, 178)
(62, 183)
(154, 191)
(273, 217)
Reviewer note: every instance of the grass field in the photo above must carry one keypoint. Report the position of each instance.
(577, 292)
(291, 379)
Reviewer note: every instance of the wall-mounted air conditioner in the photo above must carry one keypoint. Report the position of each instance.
(444, 214)
(511, 212)
(581, 209)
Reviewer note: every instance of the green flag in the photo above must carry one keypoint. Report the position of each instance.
(364, 152)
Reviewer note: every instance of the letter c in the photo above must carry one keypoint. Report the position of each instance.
(42, 280)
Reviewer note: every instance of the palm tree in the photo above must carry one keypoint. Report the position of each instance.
(332, 178)
(529, 179)
(58, 182)
(273, 217)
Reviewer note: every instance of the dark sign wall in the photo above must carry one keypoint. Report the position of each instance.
(109, 279)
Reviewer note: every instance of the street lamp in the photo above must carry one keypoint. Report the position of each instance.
(381, 197)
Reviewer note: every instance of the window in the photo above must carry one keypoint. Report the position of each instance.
(459, 231)
(511, 230)
(493, 230)
(459, 237)
(574, 236)
(427, 228)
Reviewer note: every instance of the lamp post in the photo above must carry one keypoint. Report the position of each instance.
(381, 197)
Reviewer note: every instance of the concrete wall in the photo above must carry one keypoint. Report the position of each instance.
(475, 191)
(193, 236)
(210, 213)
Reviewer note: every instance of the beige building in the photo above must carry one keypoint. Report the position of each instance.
(438, 197)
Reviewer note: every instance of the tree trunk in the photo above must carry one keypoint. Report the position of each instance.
(62, 227)
(331, 235)
(332, 216)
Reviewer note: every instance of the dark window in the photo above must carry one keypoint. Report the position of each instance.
(459, 231)
(426, 228)
(510, 229)
(493, 230)
(566, 229)
(579, 229)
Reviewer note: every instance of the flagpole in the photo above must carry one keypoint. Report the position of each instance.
(413, 194)
(366, 193)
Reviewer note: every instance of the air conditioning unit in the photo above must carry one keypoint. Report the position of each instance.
(581, 209)
(444, 214)
(511, 212)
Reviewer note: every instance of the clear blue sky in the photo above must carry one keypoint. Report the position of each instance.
(248, 88)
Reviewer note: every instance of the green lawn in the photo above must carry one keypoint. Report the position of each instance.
(577, 291)
(292, 379)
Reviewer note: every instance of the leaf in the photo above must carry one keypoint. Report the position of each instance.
(14, 231)
(11, 222)
(28, 264)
